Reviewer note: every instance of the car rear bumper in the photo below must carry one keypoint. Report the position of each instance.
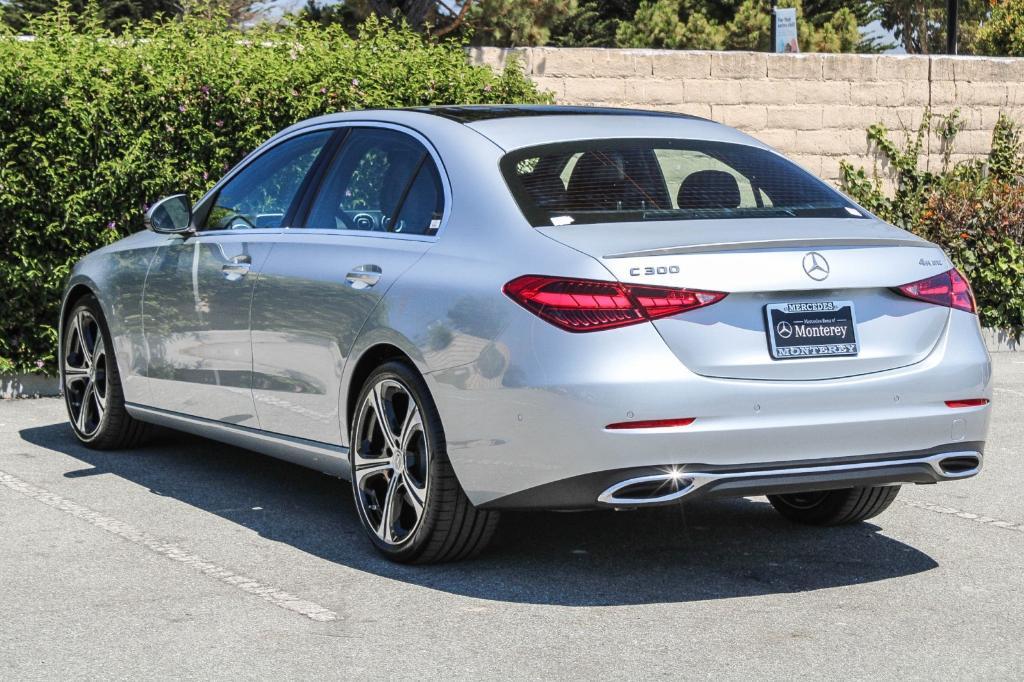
(671, 484)
(526, 424)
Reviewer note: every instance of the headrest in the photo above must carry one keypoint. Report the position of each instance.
(709, 189)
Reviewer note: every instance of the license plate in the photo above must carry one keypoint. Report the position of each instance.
(811, 329)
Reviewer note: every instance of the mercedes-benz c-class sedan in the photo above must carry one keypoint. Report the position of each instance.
(471, 309)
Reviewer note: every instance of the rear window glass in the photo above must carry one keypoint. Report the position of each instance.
(640, 180)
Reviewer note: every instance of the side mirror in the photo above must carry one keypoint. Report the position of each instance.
(170, 215)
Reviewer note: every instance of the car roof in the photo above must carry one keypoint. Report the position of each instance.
(514, 126)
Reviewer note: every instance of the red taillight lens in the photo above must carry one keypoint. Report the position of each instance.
(967, 402)
(950, 289)
(586, 305)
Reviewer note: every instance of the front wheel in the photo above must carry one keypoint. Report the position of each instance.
(92, 384)
(835, 507)
(409, 502)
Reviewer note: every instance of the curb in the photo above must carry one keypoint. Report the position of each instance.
(28, 386)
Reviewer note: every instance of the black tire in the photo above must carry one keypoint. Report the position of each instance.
(835, 507)
(114, 428)
(449, 527)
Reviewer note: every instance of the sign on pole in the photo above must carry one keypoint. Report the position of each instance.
(785, 30)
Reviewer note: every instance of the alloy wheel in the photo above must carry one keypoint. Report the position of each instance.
(85, 372)
(390, 462)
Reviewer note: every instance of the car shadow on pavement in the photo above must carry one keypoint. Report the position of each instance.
(703, 550)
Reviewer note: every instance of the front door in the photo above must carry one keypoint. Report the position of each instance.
(196, 306)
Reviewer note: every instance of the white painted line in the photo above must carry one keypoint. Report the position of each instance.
(1019, 394)
(170, 551)
(977, 518)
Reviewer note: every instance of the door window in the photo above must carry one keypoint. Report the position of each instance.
(381, 181)
(261, 195)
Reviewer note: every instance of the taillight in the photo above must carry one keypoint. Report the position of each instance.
(950, 289)
(586, 305)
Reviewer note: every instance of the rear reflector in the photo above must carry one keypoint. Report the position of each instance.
(586, 305)
(652, 424)
(967, 402)
(950, 289)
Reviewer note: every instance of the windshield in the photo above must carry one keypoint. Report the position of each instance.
(602, 181)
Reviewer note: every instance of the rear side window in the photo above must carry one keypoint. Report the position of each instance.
(381, 180)
(643, 180)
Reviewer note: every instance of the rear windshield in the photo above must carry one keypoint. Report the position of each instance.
(607, 181)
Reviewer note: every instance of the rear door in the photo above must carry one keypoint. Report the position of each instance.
(199, 289)
(377, 210)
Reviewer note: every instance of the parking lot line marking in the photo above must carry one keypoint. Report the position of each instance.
(977, 518)
(170, 551)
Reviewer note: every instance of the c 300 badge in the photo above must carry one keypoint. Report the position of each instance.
(659, 270)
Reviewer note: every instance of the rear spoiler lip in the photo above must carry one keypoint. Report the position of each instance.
(777, 244)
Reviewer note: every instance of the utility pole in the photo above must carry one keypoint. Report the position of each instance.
(951, 25)
(771, 46)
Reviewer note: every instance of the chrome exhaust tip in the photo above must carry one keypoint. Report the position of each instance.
(675, 484)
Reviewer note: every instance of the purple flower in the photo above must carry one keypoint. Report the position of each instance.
(355, 82)
(181, 108)
(111, 225)
(219, 123)
(205, 90)
(487, 88)
(40, 363)
(206, 176)
(323, 91)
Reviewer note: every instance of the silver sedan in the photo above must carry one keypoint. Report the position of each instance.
(471, 309)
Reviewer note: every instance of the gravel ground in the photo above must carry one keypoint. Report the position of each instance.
(190, 559)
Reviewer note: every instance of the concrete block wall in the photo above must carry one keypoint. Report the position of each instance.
(815, 108)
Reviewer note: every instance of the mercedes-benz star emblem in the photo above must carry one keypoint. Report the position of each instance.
(815, 266)
(785, 329)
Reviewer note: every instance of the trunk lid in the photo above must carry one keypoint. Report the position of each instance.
(762, 263)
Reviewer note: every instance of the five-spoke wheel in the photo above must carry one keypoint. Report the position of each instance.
(391, 461)
(407, 497)
(91, 383)
(85, 372)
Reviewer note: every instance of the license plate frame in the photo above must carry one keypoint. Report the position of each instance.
(810, 329)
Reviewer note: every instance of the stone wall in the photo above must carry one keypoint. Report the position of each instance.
(813, 107)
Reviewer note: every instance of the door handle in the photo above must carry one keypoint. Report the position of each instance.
(237, 268)
(363, 277)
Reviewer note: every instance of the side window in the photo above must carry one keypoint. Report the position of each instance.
(261, 194)
(381, 180)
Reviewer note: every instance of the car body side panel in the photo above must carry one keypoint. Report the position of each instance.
(116, 275)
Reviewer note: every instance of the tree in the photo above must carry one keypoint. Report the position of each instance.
(920, 26)
(118, 15)
(676, 24)
(433, 17)
(1003, 33)
(592, 23)
(508, 23)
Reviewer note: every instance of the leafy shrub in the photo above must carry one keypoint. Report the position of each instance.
(974, 210)
(92, 126)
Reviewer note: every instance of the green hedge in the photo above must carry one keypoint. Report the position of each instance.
(974, 209)
(93, 126)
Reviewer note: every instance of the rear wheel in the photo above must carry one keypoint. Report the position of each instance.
(835, 507)
(91, 383)
(409, 502)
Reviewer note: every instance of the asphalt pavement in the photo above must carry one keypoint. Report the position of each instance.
(191, 559)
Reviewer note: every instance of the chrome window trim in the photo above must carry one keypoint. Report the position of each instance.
(337, 125)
